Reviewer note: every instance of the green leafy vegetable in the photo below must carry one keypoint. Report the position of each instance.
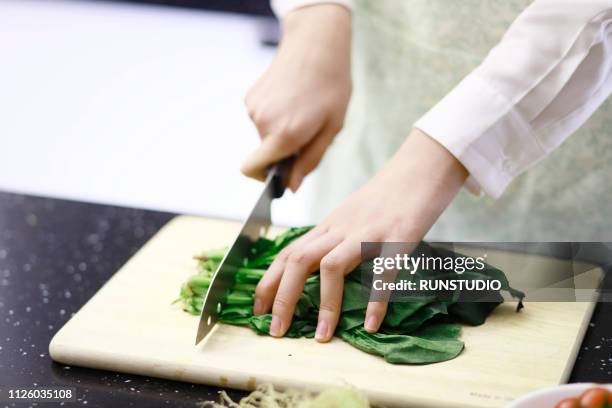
(420, 331)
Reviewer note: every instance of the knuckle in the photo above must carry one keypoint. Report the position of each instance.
(404, 230)
(299, 257)
(281, 303)
(331, 265)
(264, 287)
(283, 255)
(289, 138)
(372, 234)
(291, 133)
(328, 307)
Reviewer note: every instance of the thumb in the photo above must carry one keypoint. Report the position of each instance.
(272, 149)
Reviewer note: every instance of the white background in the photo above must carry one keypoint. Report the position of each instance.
(131, 105)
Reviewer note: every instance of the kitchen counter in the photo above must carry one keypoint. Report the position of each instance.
(55, 254)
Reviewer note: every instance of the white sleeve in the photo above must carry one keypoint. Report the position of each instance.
(549, 73)
(282, 7)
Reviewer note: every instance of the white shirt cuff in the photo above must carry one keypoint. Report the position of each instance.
(484, 131)
(282, 7)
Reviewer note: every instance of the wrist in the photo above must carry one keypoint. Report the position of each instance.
(427, 172)
(317, 41)
(424, 155)
(316, 21)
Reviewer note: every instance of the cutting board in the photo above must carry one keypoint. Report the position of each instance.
(131, 326)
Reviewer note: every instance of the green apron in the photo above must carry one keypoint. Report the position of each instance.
(407, 55)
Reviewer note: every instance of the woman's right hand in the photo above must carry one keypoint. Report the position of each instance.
(298, 105)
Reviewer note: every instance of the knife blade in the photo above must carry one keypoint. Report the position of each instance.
(254, 227)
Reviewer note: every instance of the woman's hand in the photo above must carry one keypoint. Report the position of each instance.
(299, 103)
(399, 204)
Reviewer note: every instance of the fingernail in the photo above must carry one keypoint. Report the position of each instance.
(322, 331)
(275, 326)
(258, 307)
(371, 324)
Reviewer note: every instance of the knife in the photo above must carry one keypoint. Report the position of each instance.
(255, 226)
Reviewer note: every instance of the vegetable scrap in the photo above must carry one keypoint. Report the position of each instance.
(266, 396)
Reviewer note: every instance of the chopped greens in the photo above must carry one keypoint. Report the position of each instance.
(422, 331)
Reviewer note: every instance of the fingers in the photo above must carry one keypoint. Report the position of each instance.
(278, 143)
(379, 301)
(270, 151)
(375, 315)
(284, 281)
(334, 266)
(310, 157)
(268, 285)
(300, 263)
(303, 135)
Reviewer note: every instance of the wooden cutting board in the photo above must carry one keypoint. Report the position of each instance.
(130, 326)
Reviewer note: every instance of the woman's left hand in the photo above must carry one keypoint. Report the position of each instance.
(399, 204)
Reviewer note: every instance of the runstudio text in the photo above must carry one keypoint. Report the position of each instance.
(434, 285)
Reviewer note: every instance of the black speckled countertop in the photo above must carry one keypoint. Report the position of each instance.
(55, 254)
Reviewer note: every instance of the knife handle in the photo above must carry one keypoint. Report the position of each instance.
(280, 176)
